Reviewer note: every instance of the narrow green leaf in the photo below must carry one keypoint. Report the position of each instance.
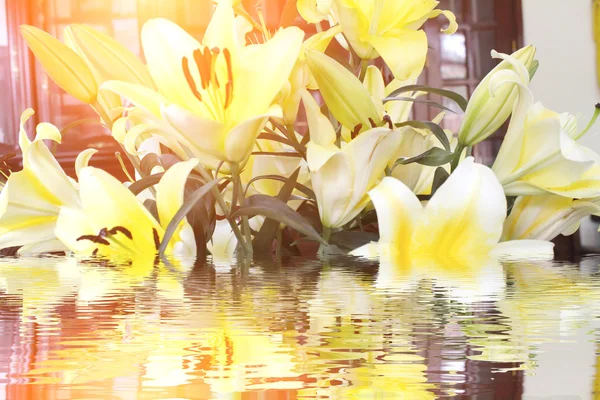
(149, 161)
(274, 208)
(420, 101)
(433, 157)
(439, 178)
(430, 126)
(301, 149)
(140, 185)
(268, 231)
(185, 208)
(457, 98)
(298, 186)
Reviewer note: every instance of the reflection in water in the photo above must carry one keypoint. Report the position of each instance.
(342, 329)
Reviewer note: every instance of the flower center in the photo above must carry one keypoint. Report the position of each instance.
(108, 237)
(212, 93)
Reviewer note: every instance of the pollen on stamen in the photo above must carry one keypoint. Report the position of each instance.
(203, 61)
(373, 124)
(388, 119)
(94, 239)
(355, 131)
(188, 77)
(121, 229)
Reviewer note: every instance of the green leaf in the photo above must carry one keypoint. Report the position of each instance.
(274, 208)
(298, 186)
(301, 149)
(420, 101)
(149, 161)
(430, 126)
(140, 185)
(185, 208)
(264, 238)
(439, 178)
(457, 98)
(433, 157)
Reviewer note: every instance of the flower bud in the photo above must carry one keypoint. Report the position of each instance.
(63, 65)
(347, 98)
(490, 107)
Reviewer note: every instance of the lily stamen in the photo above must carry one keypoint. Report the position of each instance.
(188, 77)
(229, 85)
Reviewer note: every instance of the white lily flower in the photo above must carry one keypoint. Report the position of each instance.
(462, 222)
(545, 217)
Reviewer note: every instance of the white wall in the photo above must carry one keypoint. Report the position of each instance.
(566, 80)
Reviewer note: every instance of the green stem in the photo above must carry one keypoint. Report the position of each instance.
(364, 64)
(326, 233)
(457, 155)
(291, 133)
(235, 174)
(592, 122)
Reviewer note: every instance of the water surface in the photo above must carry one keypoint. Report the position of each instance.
(305, 330)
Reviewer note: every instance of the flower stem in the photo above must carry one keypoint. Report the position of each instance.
(221, 201)
(592, 122)
(457, 154)
(364, 64)
(237, 181)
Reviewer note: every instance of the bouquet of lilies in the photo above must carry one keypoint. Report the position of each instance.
(211, 128)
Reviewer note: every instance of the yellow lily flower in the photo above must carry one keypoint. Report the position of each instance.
(112, 222)
(540, 153)
(217, 94)
(463, 219)
(341, 177)
(390, 29)
(31, 199)
(545, 217)
(488, 110)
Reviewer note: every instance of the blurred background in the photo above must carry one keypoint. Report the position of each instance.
(562, 31)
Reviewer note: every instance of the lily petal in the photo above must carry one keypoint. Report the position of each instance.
(169, 198)
(465, 216)
(321, 130)
(398, 212)
(241, 139)
(266, 68)
(165, 45)
(83, 159)
(404, 52)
